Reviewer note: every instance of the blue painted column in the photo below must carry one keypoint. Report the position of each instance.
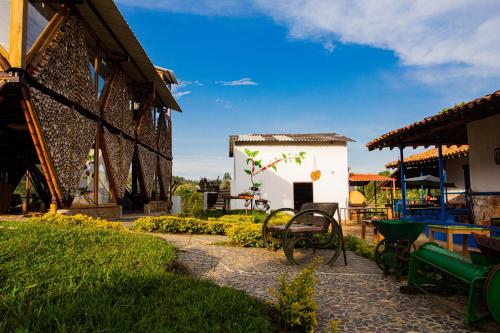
(445, 177)
(422, 188)
(403, 183)
(441, 181)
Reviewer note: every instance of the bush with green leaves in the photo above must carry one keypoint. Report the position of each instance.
(295, 300)
(360, 247)
(77, 220)
(245, 234)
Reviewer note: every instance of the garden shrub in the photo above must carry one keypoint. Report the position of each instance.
(246, 234)
(333, 326)
(177, 224)
(234, 218)
(295, 300)
(360, 247)
(78, 220)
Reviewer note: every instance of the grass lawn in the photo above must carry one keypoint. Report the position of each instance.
(80, 279)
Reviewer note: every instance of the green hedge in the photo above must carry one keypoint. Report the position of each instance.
(77, 220)
(240, 229)
(360, 247)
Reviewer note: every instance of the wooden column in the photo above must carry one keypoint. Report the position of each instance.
(18, 31)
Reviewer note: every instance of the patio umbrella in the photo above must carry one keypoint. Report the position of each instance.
(427, 181)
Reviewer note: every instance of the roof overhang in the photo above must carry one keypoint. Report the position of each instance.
(105, 19)
(448, 127)
(287, 139)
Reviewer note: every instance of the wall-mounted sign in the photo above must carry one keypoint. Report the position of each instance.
(497, 156)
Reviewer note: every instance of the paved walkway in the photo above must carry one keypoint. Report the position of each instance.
(357, 295)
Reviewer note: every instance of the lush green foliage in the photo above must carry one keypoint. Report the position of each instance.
(62, 278)
(246, 234)
(177, 224)
(77, 220)
(360, 247)
(191, 200)
(295, 300)
(243, 230)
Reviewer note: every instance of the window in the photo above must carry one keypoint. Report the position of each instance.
(39, 16)
(85, 192)
(103, 192)
(4, 24)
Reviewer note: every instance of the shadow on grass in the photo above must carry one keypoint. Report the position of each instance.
(167, 302)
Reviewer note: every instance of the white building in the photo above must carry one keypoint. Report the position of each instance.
(290, 184)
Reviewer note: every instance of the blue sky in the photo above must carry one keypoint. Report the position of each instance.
(304, 66)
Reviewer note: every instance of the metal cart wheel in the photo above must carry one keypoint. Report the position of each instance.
(270, 238)
(326, 243)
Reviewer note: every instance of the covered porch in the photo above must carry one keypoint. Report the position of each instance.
(473, 124)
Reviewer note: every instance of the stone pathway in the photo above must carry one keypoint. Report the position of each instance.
(357, 295)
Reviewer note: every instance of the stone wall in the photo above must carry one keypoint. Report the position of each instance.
(486, 207)
(117, 112)
(148, 163)
(105, 212)
(69, 136)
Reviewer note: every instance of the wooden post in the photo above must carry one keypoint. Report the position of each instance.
(26, 203)
(375, 192)
(18, 30)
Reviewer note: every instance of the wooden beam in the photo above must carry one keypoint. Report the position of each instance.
(4, 59)
(107, 163)
(108, 86)
(18, 32)
(43, 41)
(25, 103)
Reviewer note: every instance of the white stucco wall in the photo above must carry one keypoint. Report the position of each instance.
(455, 173)
(484, 137)
(278, 186)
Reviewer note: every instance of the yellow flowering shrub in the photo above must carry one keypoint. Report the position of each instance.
(78, 220)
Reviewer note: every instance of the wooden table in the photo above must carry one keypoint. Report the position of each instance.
(451, 230)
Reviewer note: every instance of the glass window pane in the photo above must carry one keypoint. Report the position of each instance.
(4, 23)
(104, 192)
(85, 192)
(38, 18)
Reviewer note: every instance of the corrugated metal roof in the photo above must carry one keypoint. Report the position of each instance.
(431, 155)
(109, 24)
(286, 138)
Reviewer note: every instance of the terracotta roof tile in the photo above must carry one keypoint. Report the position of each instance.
(482, 104)
(359, 177)
(431, 155)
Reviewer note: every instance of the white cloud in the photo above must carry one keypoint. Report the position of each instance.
(246, 81)
(178, 90)
(181, 93)
(427, 34)
(329, 46)
(225, 104)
